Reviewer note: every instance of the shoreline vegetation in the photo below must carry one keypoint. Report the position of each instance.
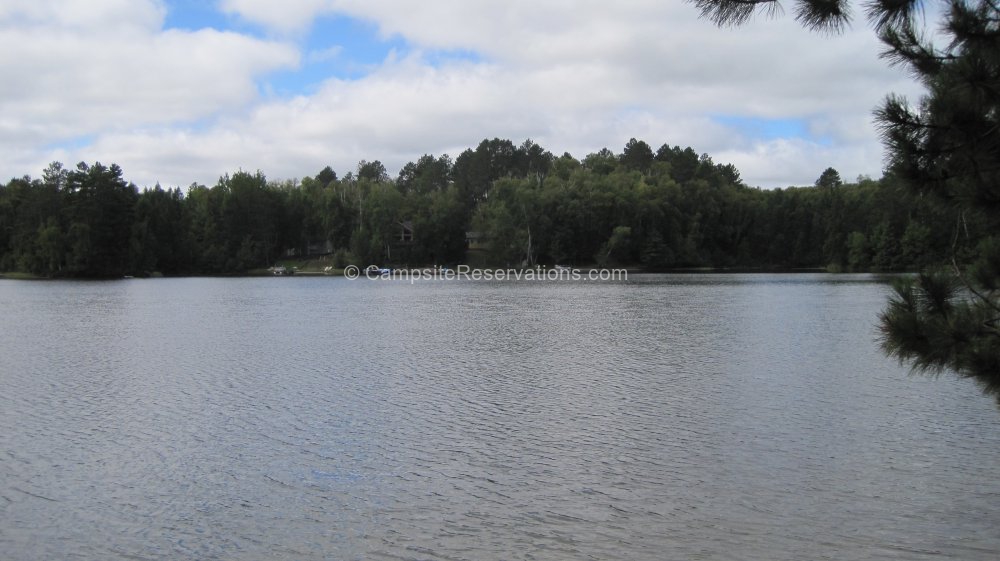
(498, 205)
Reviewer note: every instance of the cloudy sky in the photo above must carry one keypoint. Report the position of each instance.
(182, 91)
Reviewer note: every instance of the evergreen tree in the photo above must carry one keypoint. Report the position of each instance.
(829, 179)
(100, 209)
(946, 146)
(637, 156)
(949, 148)
(326, 176)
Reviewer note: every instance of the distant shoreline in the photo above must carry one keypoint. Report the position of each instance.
(339, 273)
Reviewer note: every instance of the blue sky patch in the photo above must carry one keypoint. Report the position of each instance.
(359, 42)
(769, 129)
(334, 46)
(72, 144)
(192, 15)
(760, 128)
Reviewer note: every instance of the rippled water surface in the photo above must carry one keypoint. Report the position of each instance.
(669, 417)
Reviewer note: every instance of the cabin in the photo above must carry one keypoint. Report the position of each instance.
(313, 248)
(405, 232)
(475, 240)
(322, 247)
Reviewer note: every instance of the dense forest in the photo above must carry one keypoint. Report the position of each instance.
(513, 205)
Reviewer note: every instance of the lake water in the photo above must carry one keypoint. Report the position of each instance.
(668, 417)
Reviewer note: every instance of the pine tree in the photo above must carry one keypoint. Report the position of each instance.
(946, 146)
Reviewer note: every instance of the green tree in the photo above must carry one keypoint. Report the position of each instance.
(250, 217)
(100, 210)
(683, 162)
(203, 211)
(637, 156)
(885, 248)
(426, 175)
(602, 162)
(829, 179)
(655, 252)
(27, 207)
(159, 233)
(372, 171)
(383, 214)
(917, 238)
(947, 146)
(619, 242)
(438, 221)
(51, 252)
(535, 160)
(326, 176)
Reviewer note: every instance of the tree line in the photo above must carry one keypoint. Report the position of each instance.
(517, 205)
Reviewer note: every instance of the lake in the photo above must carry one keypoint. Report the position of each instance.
(666, 417)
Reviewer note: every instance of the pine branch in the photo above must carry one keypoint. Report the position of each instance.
(884, 14)
(961, 224)
(824, 15)
(734, 12)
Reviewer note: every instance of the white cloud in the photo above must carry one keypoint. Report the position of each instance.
(573, 76)
(70, 72)
(287, 16)
(787, 162)
(93, 15)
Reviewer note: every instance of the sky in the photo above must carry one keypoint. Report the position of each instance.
(183, 91)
